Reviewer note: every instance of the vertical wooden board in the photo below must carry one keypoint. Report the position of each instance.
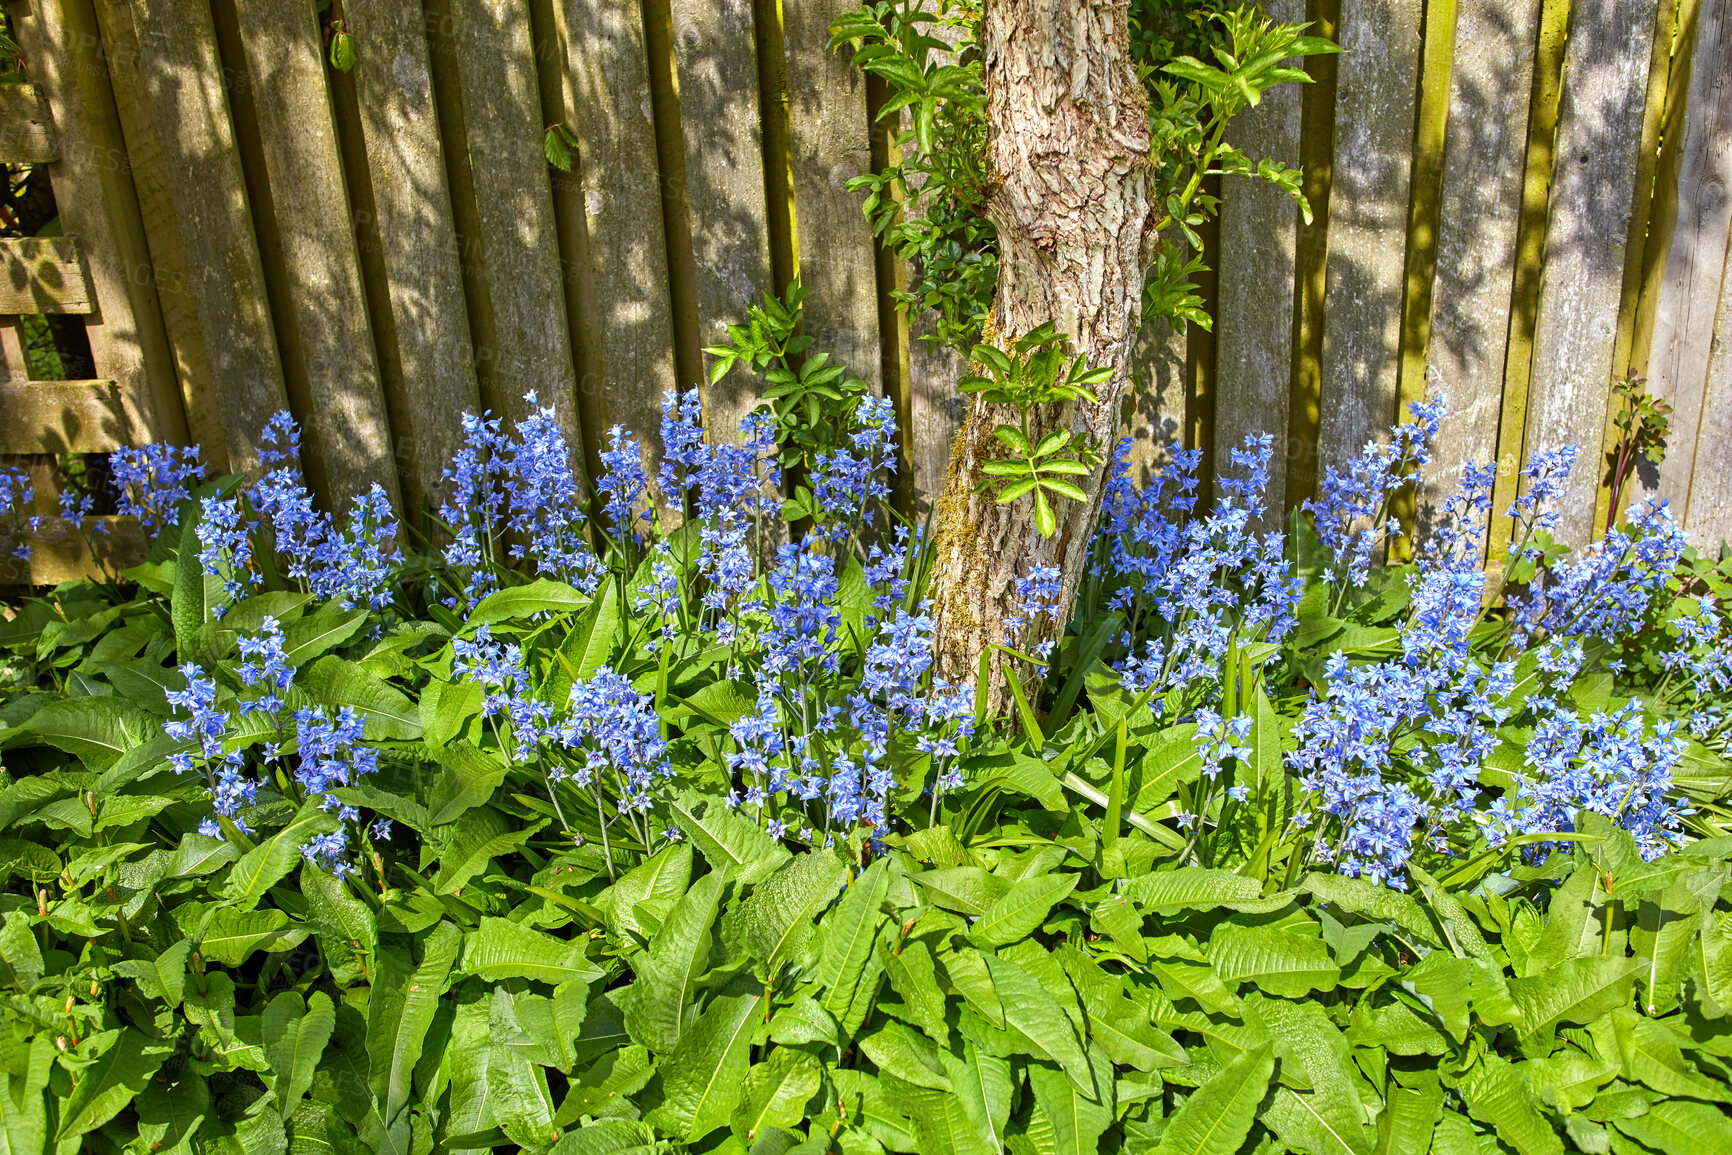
(97, 201)
(517, 246)
(1258, 232)
(1690, 288)
(936, 408)
(1368, 201)
(1155, 422)
(1605, 83)
(630, 336)
(189, 108)
(432, 383)
(830, 139)
(715, 61)
(347, 436)
(1709, 513)
(166, 273)
(1478, 219)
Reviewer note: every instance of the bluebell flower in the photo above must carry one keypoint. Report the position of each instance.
(153, 480)
(545, 502)
(266, 668)
(226, 545)
(330, 852)
(17, 500)
(623, 482)
(354, 568)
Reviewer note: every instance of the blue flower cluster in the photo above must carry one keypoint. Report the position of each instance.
(17, 498)
(153, 480)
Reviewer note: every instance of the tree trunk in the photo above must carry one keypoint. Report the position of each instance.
(1068, 152)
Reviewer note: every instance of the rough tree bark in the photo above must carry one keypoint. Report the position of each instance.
(1068, 151)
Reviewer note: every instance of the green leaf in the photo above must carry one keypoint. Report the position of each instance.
(388, 712)
(775, 920)
(169, 1116)
(97, 731)
(964, 889)
(589, 645)
(1077, 1121)
(1680, 1127)
(1198, 888)
(231, 934)
(342, 52)
(195, 592)
(543, 595)
(703, 1079)
(1280, 962)
(776, 1093)
(1030, 1009)
(307, 638)
(1497, 1096)
(1577, 990)
(1216, 1117)
(914, 976)
(468, 777)
(849, 931)
(1409, 1117)
(1359, 896)
(728, 838)
(483, 835)
(295, 1033)
(1020, 910)
(501, 949)
(657, 1001)
(163, 977)
(264, 865)
(347, 931)
(110, 1082)
(399, 1015)
(1649, 1054)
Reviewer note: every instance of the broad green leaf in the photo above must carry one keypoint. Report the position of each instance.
(804, 1021)
(1019, 911)
(264, 865)
(19, 951)
(1216, 1117)
(1409, 1117)
(517, 1090)
(23, 1112)
(986, 1086)
(295, 1033)
(914, 977)
(399, 1014)
(964, 889)
(502, 949)
(728, 838)
(1077, 1122)
(310, 637)
(849, 930)
(163, 977)
(942, 1125)
(347, 931)
(657, 1001)
(198, 855)
(1497, 1097)
(703, 1079)
(446, 707)
(774, 922)
(1577, 990)
(468, 777)
(1359, 896)
(1648, 1053)
(1030, 1009)
(387, 711)
(97, 731)
(608, 1137)
(589, 645)
(1279, 962)
(230, 935)
(110, 1082)
(1118, 1024)
(540, 596)
(1329, 1116)
(1680, 1127)
(169, 1115)
(483, 834)
(901, 1050)
(662, 877)
(1198, 888)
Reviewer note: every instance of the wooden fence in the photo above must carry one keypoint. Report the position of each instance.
(1516, 200)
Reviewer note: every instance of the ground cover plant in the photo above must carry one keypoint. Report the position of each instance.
(651, 827)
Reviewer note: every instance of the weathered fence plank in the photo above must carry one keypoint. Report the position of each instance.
(1479, 217)
(97, 200)
(43, 275)
(1689, 292)
(64, 417)
(1709, 514)
(1593, 181)
(1253, 333)
(223, 277)
(526, 342)
(26, 129)
(830, 143)
(1159, 380)
(347, 435)
(629, 335)
(426, 361)
(715, 61)
(1368, 201)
